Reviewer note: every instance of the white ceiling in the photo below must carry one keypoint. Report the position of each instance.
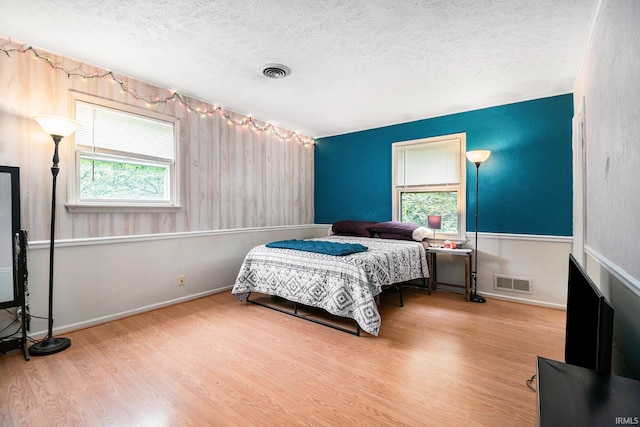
(356, 64)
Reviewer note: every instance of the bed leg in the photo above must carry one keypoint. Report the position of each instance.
(400, 294)
(305, 317)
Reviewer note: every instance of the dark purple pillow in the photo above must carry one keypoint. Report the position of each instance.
(394, 230)
(352, 228)
(394, 236)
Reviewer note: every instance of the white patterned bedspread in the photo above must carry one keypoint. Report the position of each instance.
(342, 285)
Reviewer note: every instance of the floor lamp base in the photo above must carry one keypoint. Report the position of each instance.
(49, 346)
(477, 298)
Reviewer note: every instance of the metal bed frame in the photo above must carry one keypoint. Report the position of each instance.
(295, 312)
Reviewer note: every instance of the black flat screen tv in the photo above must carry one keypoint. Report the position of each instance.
(589, 329)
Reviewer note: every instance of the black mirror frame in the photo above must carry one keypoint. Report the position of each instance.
(15, 230)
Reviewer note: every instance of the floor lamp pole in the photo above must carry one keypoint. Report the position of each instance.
(51, 345)
(474, 292)
(58, 128)
(477, 157)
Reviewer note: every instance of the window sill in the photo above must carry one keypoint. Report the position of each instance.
(86, 208)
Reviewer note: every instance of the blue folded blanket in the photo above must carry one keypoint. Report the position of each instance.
(319, 246)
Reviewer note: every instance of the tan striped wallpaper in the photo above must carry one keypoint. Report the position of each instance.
(230, 176)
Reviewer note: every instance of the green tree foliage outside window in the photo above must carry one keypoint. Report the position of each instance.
(114, 180)
(417, 206)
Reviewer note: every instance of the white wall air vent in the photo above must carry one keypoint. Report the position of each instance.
(512, 283)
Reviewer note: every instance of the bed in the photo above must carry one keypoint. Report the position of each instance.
(345, 286)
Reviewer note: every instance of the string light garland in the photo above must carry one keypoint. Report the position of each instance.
(246, 121)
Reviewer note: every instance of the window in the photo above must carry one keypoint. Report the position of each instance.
(429, 179)
(124, 156)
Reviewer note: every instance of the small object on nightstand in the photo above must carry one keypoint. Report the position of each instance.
(460, 243)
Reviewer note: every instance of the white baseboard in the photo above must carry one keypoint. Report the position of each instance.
(524, 301)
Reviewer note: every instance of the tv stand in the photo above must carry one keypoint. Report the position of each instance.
(570, 395)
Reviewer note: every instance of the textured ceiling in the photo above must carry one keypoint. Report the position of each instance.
(356, 64)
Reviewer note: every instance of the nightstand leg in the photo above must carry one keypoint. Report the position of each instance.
(432, 272)
(467, 278)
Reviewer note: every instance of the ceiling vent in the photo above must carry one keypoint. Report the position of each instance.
(276, 71)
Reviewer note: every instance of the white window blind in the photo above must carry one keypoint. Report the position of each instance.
(109, 130)
(433, 163)
(429, 179)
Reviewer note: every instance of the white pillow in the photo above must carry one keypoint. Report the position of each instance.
(421, 233)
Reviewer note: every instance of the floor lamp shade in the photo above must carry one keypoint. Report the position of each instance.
(477, 157)
(58, 128)
(55, 125)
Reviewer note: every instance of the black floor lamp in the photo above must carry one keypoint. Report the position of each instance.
(58, 128)
(477, 157)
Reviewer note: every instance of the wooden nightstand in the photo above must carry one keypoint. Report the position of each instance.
(433, 278)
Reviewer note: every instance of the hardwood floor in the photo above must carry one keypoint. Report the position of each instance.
(214, 361)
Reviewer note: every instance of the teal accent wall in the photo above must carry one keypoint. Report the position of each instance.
(525, 186)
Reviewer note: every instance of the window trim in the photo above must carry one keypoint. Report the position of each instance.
(75, 205)
(461, 187)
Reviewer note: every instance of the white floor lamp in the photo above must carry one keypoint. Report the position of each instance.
(58, 128)
(477, 157)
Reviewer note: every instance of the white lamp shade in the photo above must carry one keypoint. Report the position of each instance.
(55, 125)
(478, 156)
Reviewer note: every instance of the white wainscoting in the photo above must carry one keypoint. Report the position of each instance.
(601, 270)
(543, 259)
(98, 280)
(6, 283)
(102, 279)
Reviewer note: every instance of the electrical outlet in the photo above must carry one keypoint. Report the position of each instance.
(181, 280)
